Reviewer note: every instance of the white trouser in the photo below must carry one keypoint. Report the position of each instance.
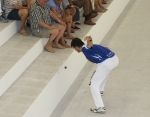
(99, 78)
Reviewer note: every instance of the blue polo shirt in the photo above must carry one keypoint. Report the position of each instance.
(51, 3)
(97, 53)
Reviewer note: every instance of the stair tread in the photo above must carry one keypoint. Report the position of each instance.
(14, 49)
(4, 25)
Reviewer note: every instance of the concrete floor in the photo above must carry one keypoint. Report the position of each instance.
(127, 91)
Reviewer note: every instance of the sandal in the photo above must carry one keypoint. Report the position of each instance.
(58, 46)
(49, 49)
(75, 27)
(24, 32)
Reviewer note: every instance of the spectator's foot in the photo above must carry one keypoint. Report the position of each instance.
(49, 49)
(65, 45)
(3, 19)
(57, 46)
(104, 8)
(100, 10)
(69, 37)
(93, 15)
(75, 27)
(77, 23)
(89, 22)
(24, 32)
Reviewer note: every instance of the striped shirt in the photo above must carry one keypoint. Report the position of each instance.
(37, 13)
(8, 5)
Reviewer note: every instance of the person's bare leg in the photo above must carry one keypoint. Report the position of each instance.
(23, 13)
(69, 35)
(61, 30)
(100, 4)
(53, 34)
(96, 4)
(98, 8)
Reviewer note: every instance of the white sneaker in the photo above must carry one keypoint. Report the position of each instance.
(101, 92)
(99, 110)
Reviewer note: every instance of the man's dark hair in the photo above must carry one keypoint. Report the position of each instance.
(76, 42)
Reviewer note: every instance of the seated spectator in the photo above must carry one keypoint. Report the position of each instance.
(41, 26)
(15, 11)
(74, 11)
(2, 18)
(87, 8)
(57, 8)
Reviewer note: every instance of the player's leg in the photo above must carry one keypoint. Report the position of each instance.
(98, 77)
(111, 63)
(102, 85)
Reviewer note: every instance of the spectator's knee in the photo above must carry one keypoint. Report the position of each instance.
(25, 11)
(54, 32)
(62, 28)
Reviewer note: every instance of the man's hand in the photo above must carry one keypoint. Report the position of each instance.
(89, 41)
(88, 38)
(62, 23)
(52, 27)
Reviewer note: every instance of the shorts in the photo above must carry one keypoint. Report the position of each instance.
(44, 32)
(13, 15)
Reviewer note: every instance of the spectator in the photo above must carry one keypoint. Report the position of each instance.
(41, 26)
(87, 8)
(56, 7)
(74, 11)
(15, 11)
(2, 18)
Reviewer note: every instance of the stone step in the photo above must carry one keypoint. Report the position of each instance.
(16, 55)
(7, 30)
